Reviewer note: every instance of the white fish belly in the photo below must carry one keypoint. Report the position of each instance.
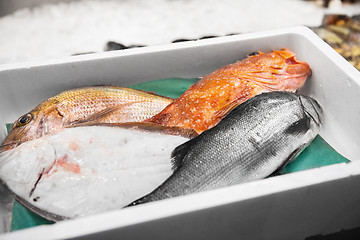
(85, 170)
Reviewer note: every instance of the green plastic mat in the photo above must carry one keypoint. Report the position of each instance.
(170, 87)
(318, 153)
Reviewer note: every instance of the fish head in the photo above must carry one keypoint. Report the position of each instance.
(306, 116)
(279, 70)
(305, 124)
(41, 120)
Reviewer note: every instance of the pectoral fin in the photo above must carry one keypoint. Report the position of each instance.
(100, 116)
(290, 159)
(225, 110)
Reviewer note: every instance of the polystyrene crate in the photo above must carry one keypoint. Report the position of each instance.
(291, 206)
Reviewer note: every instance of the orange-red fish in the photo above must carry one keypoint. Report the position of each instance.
(206, 102)
(92, 105)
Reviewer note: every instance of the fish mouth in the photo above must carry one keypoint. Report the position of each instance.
(9, 146)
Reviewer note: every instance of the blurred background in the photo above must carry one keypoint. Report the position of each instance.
(34, 30)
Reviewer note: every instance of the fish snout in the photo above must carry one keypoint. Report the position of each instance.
(5, 146)
(295, 67)
(312, 108)
(297, 73)
(23, 130)
(14, 139)
(290, 73)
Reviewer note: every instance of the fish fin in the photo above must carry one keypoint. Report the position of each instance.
(228, 108)
(290, 159)
(285, 53)
(299, 126)
(155, 94)
(47, 215)
(96, 117)
(179, 153)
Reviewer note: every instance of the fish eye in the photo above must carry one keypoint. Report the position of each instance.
(253, 54)
(23, 120)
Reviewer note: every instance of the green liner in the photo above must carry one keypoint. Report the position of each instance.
(319, 153)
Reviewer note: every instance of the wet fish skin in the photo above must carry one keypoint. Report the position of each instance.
(206, 102)
(82, 170)
(251, 142)
(101, 104)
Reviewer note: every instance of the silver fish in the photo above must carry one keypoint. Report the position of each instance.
(251, 142)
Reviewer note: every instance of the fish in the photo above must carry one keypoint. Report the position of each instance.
(207, 101)
(99, 104)
(87, 169)
(253, 141)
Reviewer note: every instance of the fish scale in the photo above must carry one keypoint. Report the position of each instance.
(227, 154)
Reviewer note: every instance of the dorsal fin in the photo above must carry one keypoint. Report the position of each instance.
(179, 153)
(290, 159)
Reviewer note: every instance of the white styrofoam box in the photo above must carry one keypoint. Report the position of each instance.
(294, 206)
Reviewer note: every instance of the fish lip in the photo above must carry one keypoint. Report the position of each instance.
(9, 146)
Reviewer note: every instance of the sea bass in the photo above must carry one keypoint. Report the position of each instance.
(104, 104)
(206, 102)
(83, 170)
(251, 142)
